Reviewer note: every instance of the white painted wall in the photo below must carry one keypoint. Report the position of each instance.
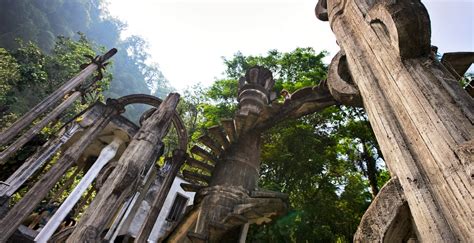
(158, 229)
(175, 188)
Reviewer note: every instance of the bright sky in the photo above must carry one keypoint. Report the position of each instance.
(188, 38)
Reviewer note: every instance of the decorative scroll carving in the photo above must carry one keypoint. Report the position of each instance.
(405, 23)
(340, 82)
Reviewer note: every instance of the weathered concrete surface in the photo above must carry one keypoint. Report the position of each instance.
(142, 151)
(421, 117)
(381, 217)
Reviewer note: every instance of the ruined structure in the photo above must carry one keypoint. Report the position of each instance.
(120, 158)
(83, 147)
(227, 197)
(422, 119)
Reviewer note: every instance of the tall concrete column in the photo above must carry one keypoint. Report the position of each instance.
(421, 117)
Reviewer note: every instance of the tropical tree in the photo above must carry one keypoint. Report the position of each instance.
(28, 75)
(328, 162)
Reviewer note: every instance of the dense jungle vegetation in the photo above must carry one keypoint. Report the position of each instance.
(328, 162)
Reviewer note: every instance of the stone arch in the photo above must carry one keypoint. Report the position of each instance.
(155, 102)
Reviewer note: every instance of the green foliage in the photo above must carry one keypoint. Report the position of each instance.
(319, 160)
(41, 20)
(293, 70)
(466, 80)
(30, 75)
(9, 72)
(34, 74)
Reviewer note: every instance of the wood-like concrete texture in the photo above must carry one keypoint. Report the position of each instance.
(54, 98)
(142, 151)
(65, 138)
(388, 219)
(26, 205)
(177, 161)
(228, 161)
(28, 135)
(421, 117)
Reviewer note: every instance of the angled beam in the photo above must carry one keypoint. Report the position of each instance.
(203, 154)
(191, 187)
(196, 176)
(35, 162)
(210, 143)
(199, 164)
(53, 98)
(142, 151)
(28, 135)
(27, 204)
(219, 135)
(382, 212)
(107, 153)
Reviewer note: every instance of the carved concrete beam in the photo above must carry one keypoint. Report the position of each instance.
(458, 62)
(340, 83)
(302, 102)
(382, 213)
(405, 24)
(262, 206)
(224, 209)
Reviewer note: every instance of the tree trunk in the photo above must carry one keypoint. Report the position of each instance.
(372, 172)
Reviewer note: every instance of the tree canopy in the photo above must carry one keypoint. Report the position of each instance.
(328, 162)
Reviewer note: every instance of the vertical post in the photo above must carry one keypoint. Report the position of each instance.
(107, 153)
(15, 146)
(124, 222)
(142, 150)
(244, 232)
(177, 161)
(53, 98)
(420, 115)
(22, 209)
(33, 163)
(123, 213)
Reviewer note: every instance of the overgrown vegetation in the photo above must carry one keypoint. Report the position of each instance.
(28, 75)
(328, 162)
